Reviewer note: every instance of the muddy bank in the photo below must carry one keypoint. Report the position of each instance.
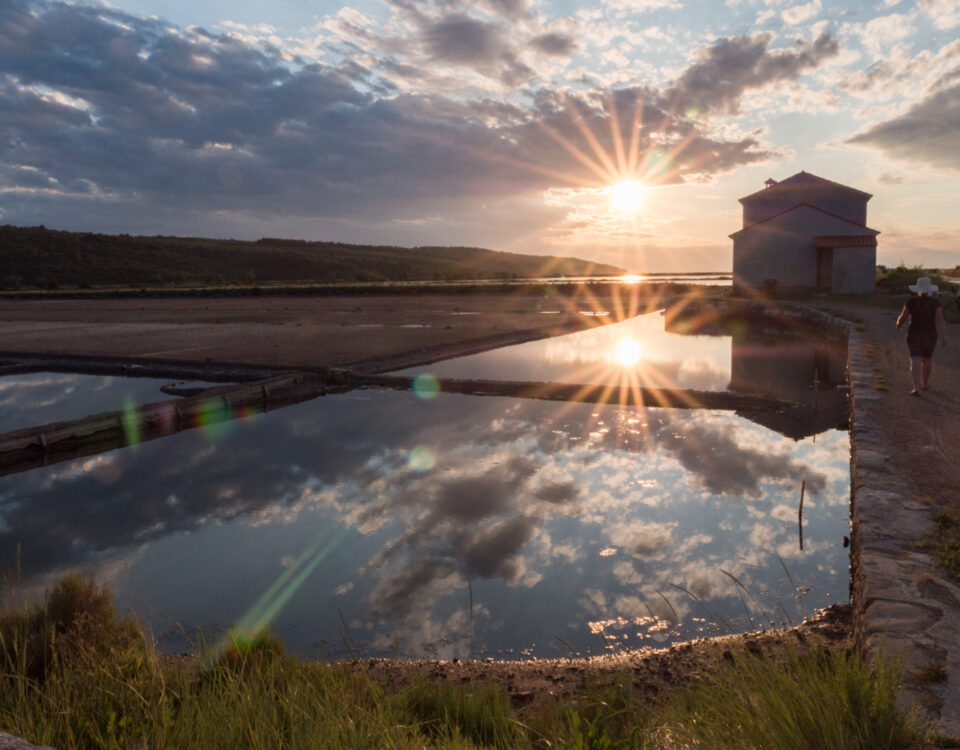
(654, 673)
(373, 333)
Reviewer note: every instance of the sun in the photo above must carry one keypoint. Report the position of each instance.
(627, 352)
(627, 195)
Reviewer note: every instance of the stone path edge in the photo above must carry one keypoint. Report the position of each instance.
(904, 605)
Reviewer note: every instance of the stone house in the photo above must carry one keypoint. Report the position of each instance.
(805, 234)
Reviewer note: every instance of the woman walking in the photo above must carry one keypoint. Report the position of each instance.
(926, 321)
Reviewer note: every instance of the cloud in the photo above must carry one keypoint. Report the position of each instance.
(461, 40)
(558, 493)
(735, 65)
(945, 14)
(714, 457)
(878, 34)
(493, 552)
(634, 6)
(554, 44)
(642, 538)
(928, 132)
(898, 77)
(115, 122)
(508, 8)
(464, 40)
(801, 13)
(396, 595)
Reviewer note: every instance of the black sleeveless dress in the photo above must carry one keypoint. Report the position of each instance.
(922, 333)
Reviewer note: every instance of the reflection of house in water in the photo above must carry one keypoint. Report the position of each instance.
(781, 358)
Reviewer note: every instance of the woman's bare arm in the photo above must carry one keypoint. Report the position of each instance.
(903, 316)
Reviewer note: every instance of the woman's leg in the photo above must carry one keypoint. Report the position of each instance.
(916, 366)
(927, 368)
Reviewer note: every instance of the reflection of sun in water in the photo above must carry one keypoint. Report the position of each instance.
(628, 195)
(627, 352)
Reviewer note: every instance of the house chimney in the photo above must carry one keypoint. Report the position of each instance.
(770, 183)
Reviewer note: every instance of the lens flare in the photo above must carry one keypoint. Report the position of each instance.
(422, 458)
(249, 413)
(131, 422)
(251, 626)
(215, 419)
(426, 386)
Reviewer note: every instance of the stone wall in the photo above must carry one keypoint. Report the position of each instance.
(903, 603)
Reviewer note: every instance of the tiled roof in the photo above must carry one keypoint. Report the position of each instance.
(803, 178)
(845, 240)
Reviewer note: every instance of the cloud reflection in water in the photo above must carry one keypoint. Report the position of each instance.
(547, 522)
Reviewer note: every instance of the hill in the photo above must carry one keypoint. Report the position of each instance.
(40, 257)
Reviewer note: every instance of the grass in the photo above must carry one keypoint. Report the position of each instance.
(76, 674)
(946, 542)
(823, 702)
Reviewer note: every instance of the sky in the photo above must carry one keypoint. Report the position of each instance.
(506, 124)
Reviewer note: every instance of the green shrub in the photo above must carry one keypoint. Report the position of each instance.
(897, 280)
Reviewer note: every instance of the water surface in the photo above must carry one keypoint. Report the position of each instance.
(39, 398)
(638, 350)
(452, 526)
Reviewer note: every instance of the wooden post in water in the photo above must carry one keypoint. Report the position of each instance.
(803, 486)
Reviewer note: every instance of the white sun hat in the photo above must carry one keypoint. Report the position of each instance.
(923, 286)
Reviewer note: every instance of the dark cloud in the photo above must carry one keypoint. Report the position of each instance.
(464, 40)
(732, 66)
(475, 498)
(398, 594)
(714, 457)
(558, 492)
(928, 132)
(493, 552)
(461, 40)
(554, 44)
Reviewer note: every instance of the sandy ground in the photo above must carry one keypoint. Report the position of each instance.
(379, 332)
(357, 331)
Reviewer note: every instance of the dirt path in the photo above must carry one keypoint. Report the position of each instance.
(925, 430)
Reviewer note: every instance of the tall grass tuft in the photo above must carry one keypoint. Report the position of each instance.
(76, 674)
(816, 700)
(482, 715)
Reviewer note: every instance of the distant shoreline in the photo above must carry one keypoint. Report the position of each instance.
(534, 285)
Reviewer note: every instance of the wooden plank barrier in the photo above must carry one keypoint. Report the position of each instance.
(29, 448)
(60, 441)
